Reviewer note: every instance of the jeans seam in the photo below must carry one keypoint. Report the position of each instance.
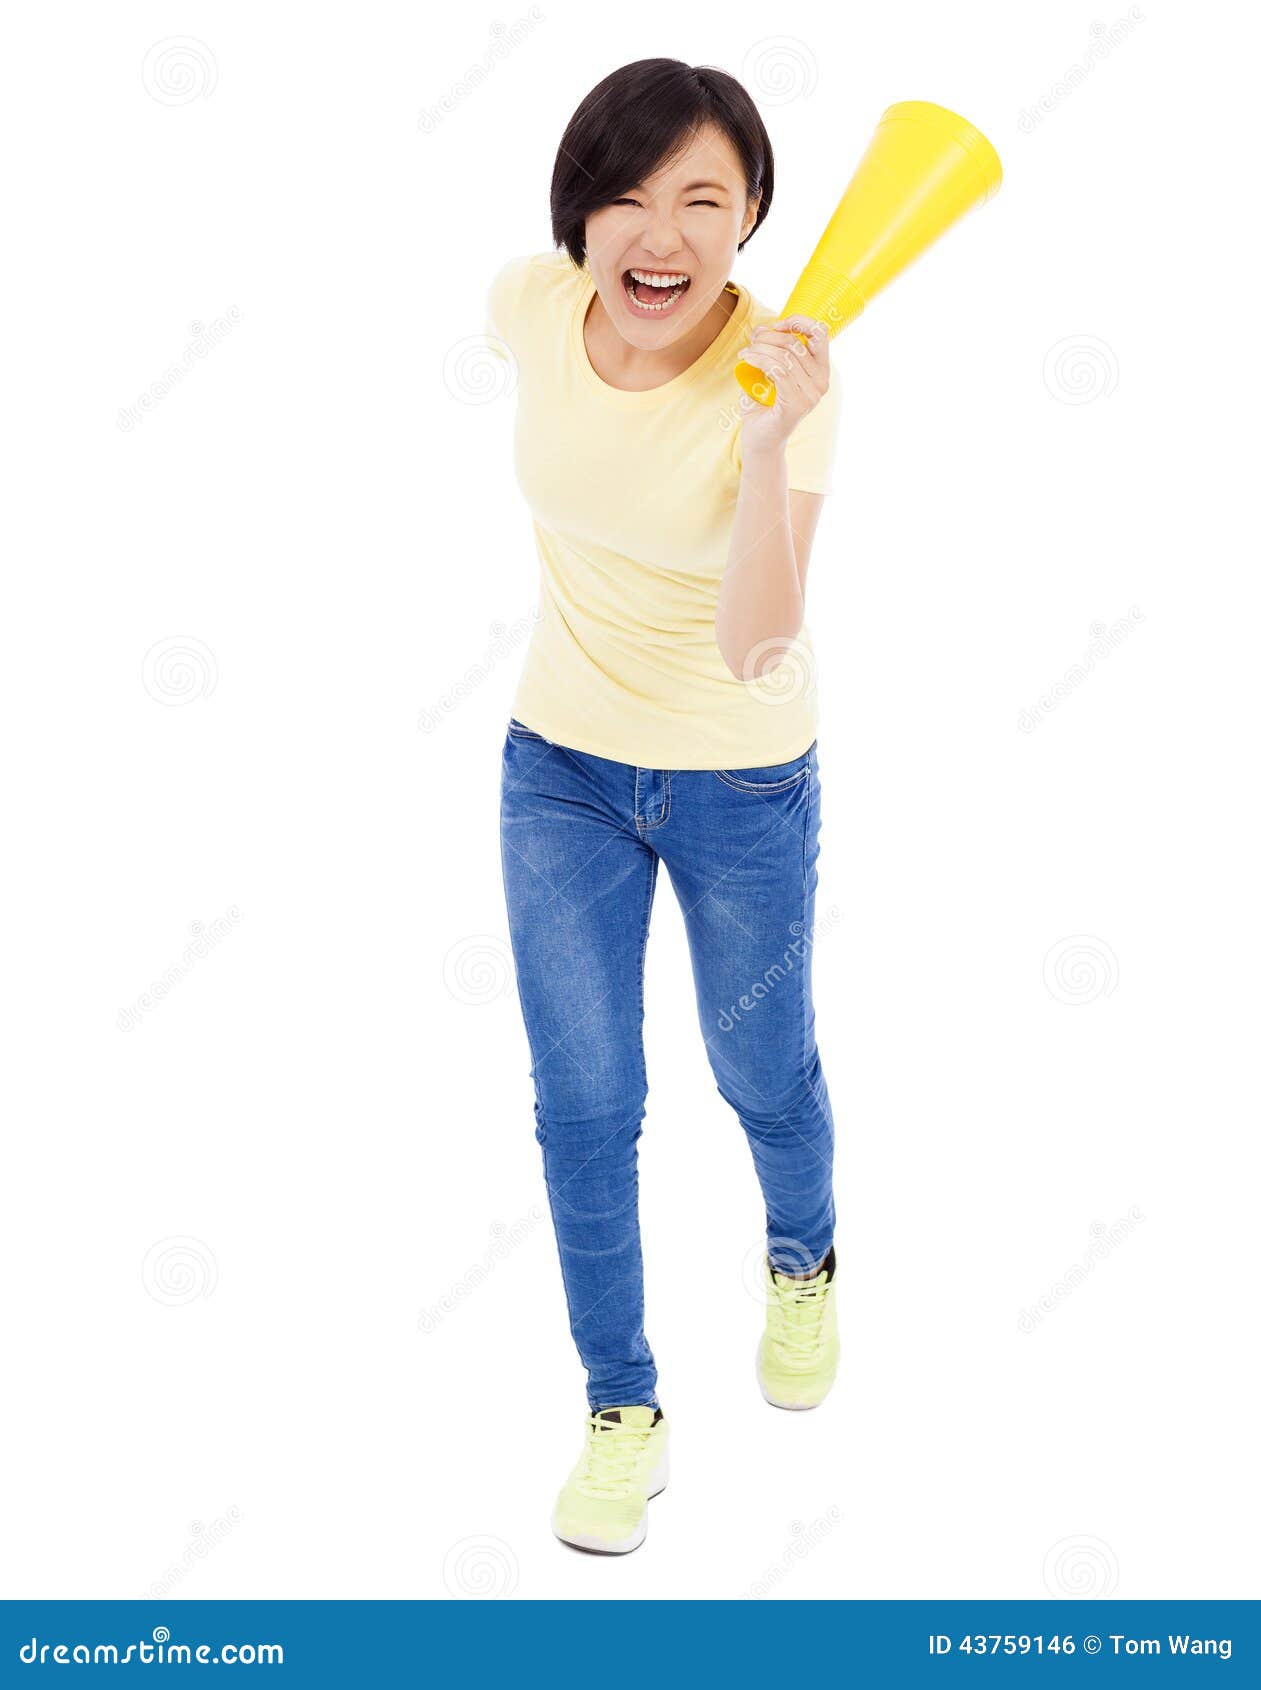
(809, 935)
(643, 827)
(643, 952)
(807, 995)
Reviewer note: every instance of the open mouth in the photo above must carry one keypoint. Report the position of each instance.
(654, 292)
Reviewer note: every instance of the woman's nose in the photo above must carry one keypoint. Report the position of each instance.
(661, 238)
(663, 247)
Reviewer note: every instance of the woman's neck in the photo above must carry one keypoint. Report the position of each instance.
(622, 365)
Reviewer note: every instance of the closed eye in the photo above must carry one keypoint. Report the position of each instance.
(625, 201)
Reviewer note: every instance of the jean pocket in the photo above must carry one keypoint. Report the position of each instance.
(770, 777)
(518, 730)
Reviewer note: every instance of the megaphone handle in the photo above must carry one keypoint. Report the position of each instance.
(756, 383)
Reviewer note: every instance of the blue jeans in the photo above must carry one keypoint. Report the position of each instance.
(581, 838)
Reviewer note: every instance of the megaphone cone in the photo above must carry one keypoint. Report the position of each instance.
(923, 169)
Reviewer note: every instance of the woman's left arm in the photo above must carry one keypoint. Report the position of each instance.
(761, 601)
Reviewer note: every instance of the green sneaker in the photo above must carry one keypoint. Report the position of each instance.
(603, 1502)
(797, 1357)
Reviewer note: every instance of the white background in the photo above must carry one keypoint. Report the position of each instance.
(1045, 426)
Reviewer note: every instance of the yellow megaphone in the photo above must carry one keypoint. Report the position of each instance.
(924, 167)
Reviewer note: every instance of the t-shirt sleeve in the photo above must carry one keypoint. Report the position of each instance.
(503, 308)
(811, 446)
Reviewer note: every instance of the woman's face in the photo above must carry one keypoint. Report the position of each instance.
(661, 255)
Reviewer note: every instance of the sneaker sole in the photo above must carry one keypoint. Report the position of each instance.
(600, 1546)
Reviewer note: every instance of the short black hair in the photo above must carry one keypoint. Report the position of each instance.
(634, 122)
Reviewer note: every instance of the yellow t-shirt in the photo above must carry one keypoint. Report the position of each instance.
(633, 497)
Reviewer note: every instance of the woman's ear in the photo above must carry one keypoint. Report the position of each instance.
(750, 217)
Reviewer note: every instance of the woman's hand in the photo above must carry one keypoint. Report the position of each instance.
(800, 373)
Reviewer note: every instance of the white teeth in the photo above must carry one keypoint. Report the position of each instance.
(678, 283)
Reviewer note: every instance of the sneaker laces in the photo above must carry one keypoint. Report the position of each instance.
(611, 1457)
(795, 1315)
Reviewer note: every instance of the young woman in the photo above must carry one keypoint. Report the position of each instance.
(666, 713)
